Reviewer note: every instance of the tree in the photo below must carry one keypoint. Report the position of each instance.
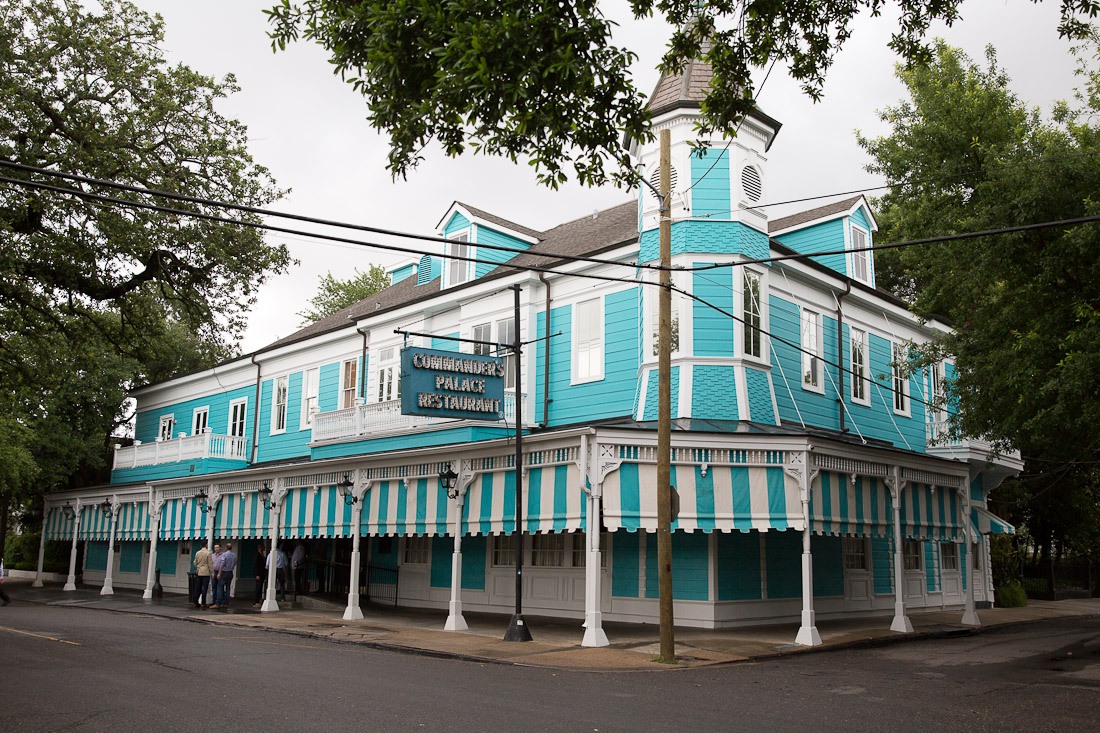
(965, 154)
(546, 81)
(334, 295)
(97, 297)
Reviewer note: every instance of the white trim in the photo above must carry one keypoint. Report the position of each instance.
(850, 256)
(195, 428)
(275, 403)
(864, 371)
(170, 419)
(243, 401)
(309, 385)
(574, 377)
(818, 347)
(464, 238)
(740, 329)
(904, 378)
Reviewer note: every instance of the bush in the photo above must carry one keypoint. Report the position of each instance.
(21, 553)
(1011, 595)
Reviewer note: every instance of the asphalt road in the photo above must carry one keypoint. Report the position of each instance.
(77, 669)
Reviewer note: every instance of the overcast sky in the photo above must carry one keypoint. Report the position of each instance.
(309, 129)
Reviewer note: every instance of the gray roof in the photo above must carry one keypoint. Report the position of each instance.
(492, 218)
(804, 217)
(686, 89)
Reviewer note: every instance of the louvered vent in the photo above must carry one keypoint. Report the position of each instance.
(655, 178)
(751, 183)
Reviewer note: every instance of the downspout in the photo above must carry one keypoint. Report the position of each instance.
(545, 358)
(840, 352)
(363, 361)
(256, 414)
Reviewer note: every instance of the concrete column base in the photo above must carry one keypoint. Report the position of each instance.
(970, 618)
(901, 622)
(593, 632)
(108, 589)
(455, 620)
(353, 612)
(807, 633)
(269, 606)
(70, 584)
(148, 594)
(36, 584)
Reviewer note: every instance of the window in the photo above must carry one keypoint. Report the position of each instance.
(751, 314)
(200, 418)
(579, 560)
(588, 340)
(506, 335)
(458, 270)
(913, 555)
(976, 553)
(278, 405)
(349, 381)
(655, 322)
(310, 380)
(811, 350)
(417, 550)
(167, 425)
(900, 369)
(855, 553)
(386, 376)
(504, 550)
(939, 391)
(949, 556)
(858, 349)
(548, 550)
(484, 333)
(237, 410)
(861, 261)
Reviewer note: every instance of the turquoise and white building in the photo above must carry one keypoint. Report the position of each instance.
(815, 479)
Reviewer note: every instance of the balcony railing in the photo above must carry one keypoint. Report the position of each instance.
(382, 418)
(186, 448)
(942, 438)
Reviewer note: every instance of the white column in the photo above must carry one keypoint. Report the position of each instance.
(359, 491)
(970, 614)
(594, 634)
(270, 605)
(154, 514)
(108, 579)
(70, 582)
(41, 549)
(807, 632)
(455, 620)
(901, 622)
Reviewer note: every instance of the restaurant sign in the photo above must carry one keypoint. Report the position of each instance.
(438, 383)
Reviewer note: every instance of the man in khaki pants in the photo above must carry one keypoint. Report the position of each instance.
(204, 564)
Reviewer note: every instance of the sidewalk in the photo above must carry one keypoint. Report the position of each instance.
(556, 641)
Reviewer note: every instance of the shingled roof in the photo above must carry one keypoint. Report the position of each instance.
(804, 217)
(500, 222)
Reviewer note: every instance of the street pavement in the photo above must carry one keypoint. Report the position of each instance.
(556, 641)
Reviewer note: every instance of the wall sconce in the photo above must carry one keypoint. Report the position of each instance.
(345, 486)
(68, 511)
(107, 507)
(447, 479)
(265, 496)
(202, 500)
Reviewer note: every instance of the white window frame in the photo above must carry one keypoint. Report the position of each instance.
(859, 388)
(387, 385)
(241, 406)
(510, 376)
(348, 392)
(937, 391)
(166, 427)
(595, 344)
(753, 337)
(856, 557)
(899, 378)
(579, 551)
(949, 557)
(459, 271)
(912, 553)
(200, 420)
(653, 303)
(811, 334)
(504, 551)
(280, 388)
(548, 550)
(859, 263)
(310, 394)
(482, 332)
(417, 550)
(977, 551)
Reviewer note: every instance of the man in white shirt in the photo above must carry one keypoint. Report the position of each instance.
(298, 565)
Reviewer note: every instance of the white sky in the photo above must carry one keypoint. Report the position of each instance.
(309, 129)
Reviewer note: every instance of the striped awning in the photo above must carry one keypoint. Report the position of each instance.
(241, 516)
(134, 522)
(931, 513)
(95, 524)
(555, 500)
(320, 512)
(414, 506)
(58, 526)
(725, 498)
(181, 519)
(840, 507)
(986, 522)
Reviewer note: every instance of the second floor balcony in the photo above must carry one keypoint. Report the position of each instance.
(944, 441)
(184, 448)
(385, 418)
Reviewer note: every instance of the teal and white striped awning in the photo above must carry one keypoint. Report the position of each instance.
(58, 526)
(414, 506)
(724, 498)
(134, 522)
(95, 524)
(241, 516)
(555, 499)
(840, 507)
(181, 519)
(986, 522)
(315, 512)
(931, 513)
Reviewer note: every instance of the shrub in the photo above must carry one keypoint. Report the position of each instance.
(1011, 595)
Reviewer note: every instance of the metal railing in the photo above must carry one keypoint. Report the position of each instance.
(381, 418)
(186, 448)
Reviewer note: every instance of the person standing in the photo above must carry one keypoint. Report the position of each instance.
(203, 567)
(215, 571)
(298, 565)
(259, 565)
(280, 573)
(5, 599)
(225, 575)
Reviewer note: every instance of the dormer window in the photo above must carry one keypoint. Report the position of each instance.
(860, 255)
(458, 269)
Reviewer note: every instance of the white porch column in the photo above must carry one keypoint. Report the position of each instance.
(901, 622)
(359, 491)
(41, 549)
(798, 465)
(596, 464)
(270, 605)
(455, 620)
(70, 582)
(970, 613)
(155, 505)
(108, 579)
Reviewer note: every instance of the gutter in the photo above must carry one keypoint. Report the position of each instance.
(363, 377)
(840, 352)
(545, 358)
(255, 414)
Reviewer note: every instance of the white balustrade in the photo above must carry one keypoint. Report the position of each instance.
(383, 418)
(185, 448)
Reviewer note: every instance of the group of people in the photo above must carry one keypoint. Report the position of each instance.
(296, 563)
(214, 575)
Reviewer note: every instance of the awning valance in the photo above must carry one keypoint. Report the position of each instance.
(181, 519)
(310, 512)
(986, 522)
(241, 516)
(554, 499)
(839, 506)
(931, 513)
(134, 522)
(95, 524)
(724, 498)
(414, 506)
(58, 526)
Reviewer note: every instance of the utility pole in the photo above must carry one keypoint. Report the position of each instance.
(664, 412)
(517, 627)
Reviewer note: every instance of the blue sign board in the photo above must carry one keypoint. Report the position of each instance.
(449, 384)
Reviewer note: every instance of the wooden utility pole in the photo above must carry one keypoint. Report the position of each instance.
(664, 412)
